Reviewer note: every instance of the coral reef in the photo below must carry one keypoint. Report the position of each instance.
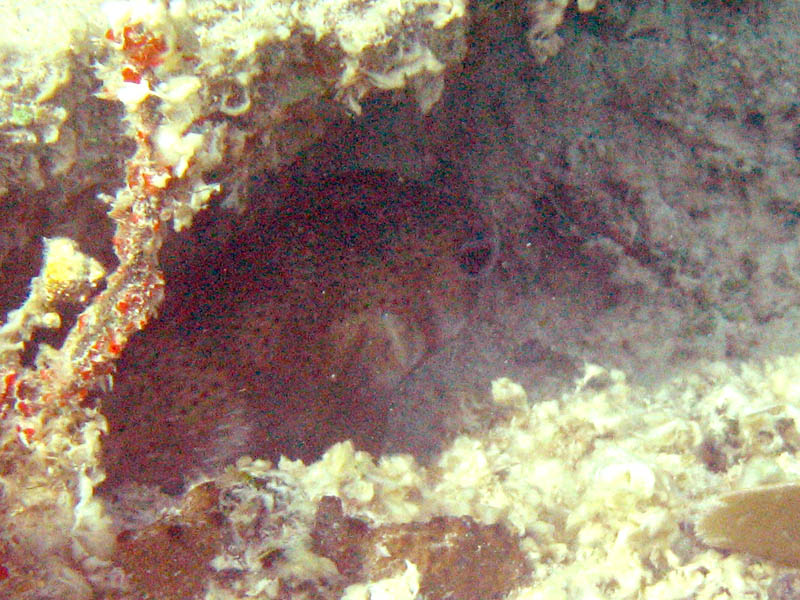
(641, 188)
(656, 151)
(181, 76)
(593, 495)
(264, 540)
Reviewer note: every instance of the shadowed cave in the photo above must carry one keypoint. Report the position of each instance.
(291, 330)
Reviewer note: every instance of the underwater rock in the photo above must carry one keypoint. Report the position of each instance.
(457, 557)
(293, 335)
(169, 558)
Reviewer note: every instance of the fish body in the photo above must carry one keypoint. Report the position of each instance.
(365, 277)
(310, 316)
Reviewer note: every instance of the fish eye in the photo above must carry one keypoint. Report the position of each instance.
(476, 257)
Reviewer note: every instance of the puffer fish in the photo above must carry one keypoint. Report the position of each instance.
(293, 335)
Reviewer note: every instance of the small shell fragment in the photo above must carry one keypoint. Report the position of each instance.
(762, 521)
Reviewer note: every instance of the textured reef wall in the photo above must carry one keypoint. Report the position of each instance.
(639, 163)
(153, 106)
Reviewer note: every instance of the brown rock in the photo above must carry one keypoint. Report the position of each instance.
(169, 559)
(456, 556)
